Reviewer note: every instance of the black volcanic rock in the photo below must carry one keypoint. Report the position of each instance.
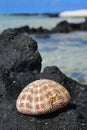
(20, 64)
(62, 27)
(39, 30)
(84, 25)
(13, 32)
(19, 51)
(25, 29)
(20, 60)
(75, 26)
(65, 27)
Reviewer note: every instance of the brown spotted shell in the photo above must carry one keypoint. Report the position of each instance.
(41, 97)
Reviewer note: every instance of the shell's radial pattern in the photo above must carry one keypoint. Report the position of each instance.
(41, 97)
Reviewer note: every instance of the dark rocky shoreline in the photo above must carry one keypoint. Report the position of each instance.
(62, 27)
(20, 64)
(36, 14)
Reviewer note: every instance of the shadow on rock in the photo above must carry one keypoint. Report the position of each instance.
(70, 106)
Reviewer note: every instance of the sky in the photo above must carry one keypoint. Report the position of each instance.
(40, 6)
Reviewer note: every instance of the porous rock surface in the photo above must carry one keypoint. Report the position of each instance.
(20, 60)
(20, 64)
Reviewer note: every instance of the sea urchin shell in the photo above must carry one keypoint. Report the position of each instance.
(41, 97)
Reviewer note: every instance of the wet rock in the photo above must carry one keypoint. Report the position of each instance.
(65, 27)
(23, 29)
(62, 27)
(84, 25)
(75, 26)
(21, 64)
(39, 30)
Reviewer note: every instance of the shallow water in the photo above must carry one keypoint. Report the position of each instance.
(67, 51)
(9, 21)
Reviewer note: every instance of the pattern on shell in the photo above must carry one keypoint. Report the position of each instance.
(41, 97)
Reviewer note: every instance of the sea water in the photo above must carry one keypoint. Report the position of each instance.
(66, 51)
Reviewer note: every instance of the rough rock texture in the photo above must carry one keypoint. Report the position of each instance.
(20, 60)
(20, 63)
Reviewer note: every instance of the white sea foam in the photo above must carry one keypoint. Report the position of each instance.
(75, 13)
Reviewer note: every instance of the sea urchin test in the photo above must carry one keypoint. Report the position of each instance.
(41, 97)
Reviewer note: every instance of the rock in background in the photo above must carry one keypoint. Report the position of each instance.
(20, 64)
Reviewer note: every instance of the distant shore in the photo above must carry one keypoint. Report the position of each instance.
(33, 14)
(75, 13)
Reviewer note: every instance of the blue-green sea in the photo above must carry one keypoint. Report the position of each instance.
(66, 51)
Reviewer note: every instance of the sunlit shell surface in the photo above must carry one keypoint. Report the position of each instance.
(41, 97)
